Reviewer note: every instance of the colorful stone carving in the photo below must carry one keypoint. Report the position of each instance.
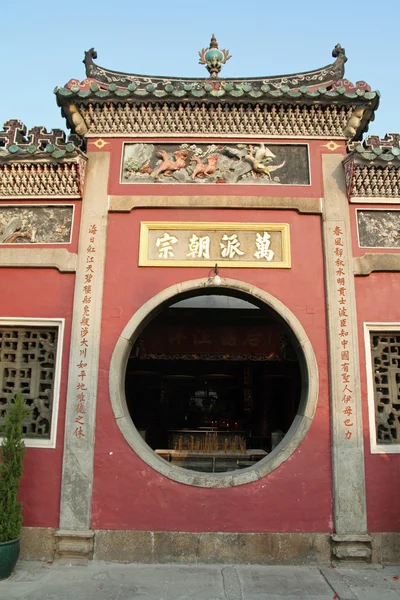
(378, 228)
(259, 160)
(213, 57)
(30, 224)
(168, 165)
(215, 163)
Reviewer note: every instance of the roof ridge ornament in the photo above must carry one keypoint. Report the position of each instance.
(15, 139)
(213, 57)
(339, 53)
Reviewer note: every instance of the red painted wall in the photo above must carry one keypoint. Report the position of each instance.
(375, 296)
(376, 302)
(41, 293)
(128, 494)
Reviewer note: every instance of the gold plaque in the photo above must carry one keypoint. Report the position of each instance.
(246, 245)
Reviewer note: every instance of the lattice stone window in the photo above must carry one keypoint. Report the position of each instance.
(385, 359)
(29, 363)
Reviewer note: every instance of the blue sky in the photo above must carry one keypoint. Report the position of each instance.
(43, 44)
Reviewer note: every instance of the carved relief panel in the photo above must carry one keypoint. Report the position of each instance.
(378, 228)
(50, 224)
(240, 163)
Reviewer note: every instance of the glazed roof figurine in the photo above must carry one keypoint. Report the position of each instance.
(213, 57)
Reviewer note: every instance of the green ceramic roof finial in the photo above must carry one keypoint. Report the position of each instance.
(213, 58)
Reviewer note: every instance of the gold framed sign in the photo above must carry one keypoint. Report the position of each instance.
(184, 244)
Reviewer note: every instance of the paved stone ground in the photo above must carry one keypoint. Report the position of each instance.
(110, 581)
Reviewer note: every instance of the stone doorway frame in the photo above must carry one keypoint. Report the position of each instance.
(308, 399)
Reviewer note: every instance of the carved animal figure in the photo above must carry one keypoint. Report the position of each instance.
(207, 168)
(259, 161)
(168, 166)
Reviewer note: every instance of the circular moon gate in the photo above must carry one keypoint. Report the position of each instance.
(300, 342)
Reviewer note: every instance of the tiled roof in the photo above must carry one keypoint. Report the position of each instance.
(105, 91)
(226, 90)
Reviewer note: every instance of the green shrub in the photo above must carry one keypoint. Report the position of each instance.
(12, 452)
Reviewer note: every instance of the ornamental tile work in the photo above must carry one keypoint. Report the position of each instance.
(27, 365)
(371, 181)
(372, 169)
(177, 118)
(277, 164)
(35, 224)
(375, 149)
(16, 140)
(41, 179)
(385, 349)
(378, 228)
(40, 163)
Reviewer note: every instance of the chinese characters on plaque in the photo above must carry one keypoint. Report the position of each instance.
(85, 323)
(343, 328)
(204, 244)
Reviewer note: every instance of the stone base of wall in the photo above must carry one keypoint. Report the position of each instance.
(39, 543)
(352, 548)
(211, 548)
(74, 544)
(386, 548)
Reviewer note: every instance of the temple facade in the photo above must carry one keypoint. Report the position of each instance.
(198, 303)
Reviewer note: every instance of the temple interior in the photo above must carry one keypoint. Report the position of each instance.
(213, 383)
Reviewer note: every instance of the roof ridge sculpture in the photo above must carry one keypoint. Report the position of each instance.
(169, 104)
(16, 140)
(324, 76)
(374, 148)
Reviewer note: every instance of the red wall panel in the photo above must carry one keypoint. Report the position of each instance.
(41, 293)
(128, 494)
(377, 302)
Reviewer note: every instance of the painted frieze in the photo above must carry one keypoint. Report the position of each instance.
(243, 163)
(378, 228)
(32, 224)
(259, 245)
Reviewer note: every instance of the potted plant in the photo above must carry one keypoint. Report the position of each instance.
(12, 452)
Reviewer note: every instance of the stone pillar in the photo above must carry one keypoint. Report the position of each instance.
(75, 537)
(350, 540)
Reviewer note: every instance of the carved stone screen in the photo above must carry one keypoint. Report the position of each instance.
(379, 228)
(27, 365)
(239, 163)
(29, 224)
(385, 349)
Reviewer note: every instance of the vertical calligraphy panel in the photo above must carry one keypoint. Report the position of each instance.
(76, 495)
(347, 438)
